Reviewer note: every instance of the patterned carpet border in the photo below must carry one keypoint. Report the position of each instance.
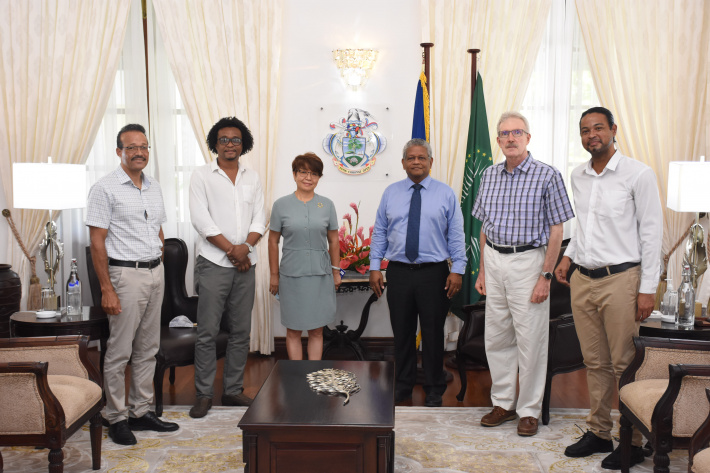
(439, 440)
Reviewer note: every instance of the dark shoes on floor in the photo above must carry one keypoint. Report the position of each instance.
(202, 405)
(432, 400)
(151, 422)
(613, 461)
(236, 400)
(527, 426)
(589, 444)
(401, 396)
(497, 416)
(121, 434)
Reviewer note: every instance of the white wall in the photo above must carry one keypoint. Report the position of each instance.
(312, 95)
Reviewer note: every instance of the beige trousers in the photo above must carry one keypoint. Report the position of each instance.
(516, 330)
(134, 335)
(604, 313)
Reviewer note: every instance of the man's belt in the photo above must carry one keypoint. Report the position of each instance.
(606, 270)
(135, 264)
(415, 266)
(510, 249)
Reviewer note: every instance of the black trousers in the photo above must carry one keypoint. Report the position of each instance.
(413, 293)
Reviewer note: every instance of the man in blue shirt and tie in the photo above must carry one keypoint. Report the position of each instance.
(418, 228)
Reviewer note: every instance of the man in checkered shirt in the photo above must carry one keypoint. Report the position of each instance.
(522, 204)
(125, 212)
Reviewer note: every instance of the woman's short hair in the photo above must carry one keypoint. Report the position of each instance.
(308, 161)
(230, 122)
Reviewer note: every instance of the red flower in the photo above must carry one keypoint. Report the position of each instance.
(355, 208)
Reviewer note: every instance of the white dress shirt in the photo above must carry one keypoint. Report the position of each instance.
(219, 206)
(619, 218)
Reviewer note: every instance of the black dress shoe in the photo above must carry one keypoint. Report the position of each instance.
(151, 422)
(121, 434)
(432, 400)
(589, 444)
(613, 461)
(402, 396)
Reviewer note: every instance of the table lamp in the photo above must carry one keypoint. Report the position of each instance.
(47, 186)
(689, 191)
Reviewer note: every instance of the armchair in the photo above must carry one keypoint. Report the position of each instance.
(564, 353)
(665, 400)
(60, 391)
(698, 452)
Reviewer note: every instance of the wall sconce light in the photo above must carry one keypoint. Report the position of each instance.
(354, 65)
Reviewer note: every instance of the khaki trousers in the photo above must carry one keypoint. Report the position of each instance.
(604, 311)
(134, 335)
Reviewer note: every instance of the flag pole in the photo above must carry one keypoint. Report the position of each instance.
(474, 68)
(425, 60)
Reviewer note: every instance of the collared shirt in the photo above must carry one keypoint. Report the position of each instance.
(219, 206)
(440, 229)
(519, 208)
(619, 218)
(131, 215)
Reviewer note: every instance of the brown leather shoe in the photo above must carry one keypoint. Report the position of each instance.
(497, 416)
(527, 426)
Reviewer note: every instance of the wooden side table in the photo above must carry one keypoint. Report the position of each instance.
(341, 336)
(658, 329)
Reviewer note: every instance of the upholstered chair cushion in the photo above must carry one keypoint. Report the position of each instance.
(641, 397)
(77, 396)
(701, 461)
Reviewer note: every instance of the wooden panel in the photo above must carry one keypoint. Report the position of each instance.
(316, 457)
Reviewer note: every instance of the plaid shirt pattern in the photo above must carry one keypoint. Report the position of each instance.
(518, 208)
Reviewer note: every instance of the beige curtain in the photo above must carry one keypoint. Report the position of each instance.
(58, 61)
(225, 58)
(649, 59)
(508, 33)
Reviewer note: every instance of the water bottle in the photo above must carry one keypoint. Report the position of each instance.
(686, 301)
(74, 290)
(669, 306)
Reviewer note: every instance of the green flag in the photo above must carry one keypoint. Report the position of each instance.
(478, 158)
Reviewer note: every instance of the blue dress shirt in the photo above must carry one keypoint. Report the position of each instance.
(441, 233)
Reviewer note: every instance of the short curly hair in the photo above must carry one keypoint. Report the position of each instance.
(230, 122)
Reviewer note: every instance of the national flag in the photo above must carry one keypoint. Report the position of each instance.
(478, 158)
(420, 122)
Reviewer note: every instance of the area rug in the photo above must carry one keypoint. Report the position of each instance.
(438, 440)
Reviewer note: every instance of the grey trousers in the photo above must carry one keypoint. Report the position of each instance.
(222, 291)
(135, 336)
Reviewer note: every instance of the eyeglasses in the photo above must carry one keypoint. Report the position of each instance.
(133, 149)
(516, 133)
(235, 141)
(311, 174)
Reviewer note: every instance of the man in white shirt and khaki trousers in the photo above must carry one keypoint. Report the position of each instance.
(227, 210)
(617, 245)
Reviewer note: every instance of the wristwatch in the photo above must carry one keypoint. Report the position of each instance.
(546, 275)
(251, 248)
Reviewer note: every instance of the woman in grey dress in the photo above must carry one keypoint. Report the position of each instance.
(309, 272)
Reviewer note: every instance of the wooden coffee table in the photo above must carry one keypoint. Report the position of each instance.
(291, 429)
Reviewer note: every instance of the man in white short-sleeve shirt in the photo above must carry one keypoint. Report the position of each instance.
(125, 212)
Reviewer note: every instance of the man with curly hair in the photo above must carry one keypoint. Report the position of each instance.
(227, 210)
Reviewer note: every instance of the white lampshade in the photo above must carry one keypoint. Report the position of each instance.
(48, 186)
(689, 186)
